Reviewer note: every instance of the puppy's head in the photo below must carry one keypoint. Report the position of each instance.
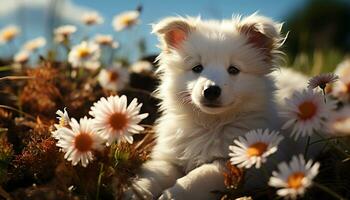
(217, 66)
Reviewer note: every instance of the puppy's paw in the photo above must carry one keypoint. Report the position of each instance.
(173, 193)
(129, 195)
(136, 192)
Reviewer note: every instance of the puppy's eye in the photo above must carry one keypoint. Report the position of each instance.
(197, 69)
(233, 70)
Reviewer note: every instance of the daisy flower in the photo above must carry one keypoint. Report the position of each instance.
(125, 20)
(79, 142)
(254, 148)
(34, 44)
(306, 112)
(294, 178)
(8, 33)
(322, 80)
(114, 78)
(339, 122)
(85, 55)
(63, 118)
(63, 121)
(63, 33)
(92, 18)
(21, 57)
(115, 120)
(142, 67)
(106, 40)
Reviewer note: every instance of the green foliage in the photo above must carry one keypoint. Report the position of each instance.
(320, 26)
(317, 62)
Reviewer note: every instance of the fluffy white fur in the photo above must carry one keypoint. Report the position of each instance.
(192, 139)
(287, 81)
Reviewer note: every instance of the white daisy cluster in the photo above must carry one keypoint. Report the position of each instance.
(256, 146)
(91, 54)
(85, 53)
(254, 149)
(336, 91)
(313, 110)
(9, 33)
(113, 121)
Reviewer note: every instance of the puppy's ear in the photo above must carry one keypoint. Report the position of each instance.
(262, 33)
(172, 31)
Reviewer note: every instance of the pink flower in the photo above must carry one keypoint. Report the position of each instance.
(322, 80)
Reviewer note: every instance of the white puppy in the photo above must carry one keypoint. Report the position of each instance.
(215, 86)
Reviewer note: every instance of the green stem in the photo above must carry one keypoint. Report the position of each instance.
(324, 140)
(266, 173)
(99, 180)
(329, 191)
(267, 177)
(307, 146)
(19, 105)
(81, 72)
(15, 78)
(17, 110)
(334, 146)
(324, 95)
(324, 147)
(5, 68)
(12, 47)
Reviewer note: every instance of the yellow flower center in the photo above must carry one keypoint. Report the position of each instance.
(127, 21)
(307, 110)
(90, 21)
(104, 41)
(83, 52)
(113, 76)
(256, 149)
(83, 142)
(9, 35)
(63, 122)
(118, 121)
(295, 180)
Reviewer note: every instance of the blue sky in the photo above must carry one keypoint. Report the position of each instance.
(33, 16)
(154, 10)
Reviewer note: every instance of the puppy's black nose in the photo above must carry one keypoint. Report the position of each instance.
(212, 92)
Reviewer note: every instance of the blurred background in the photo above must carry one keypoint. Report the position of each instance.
(319, 30)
